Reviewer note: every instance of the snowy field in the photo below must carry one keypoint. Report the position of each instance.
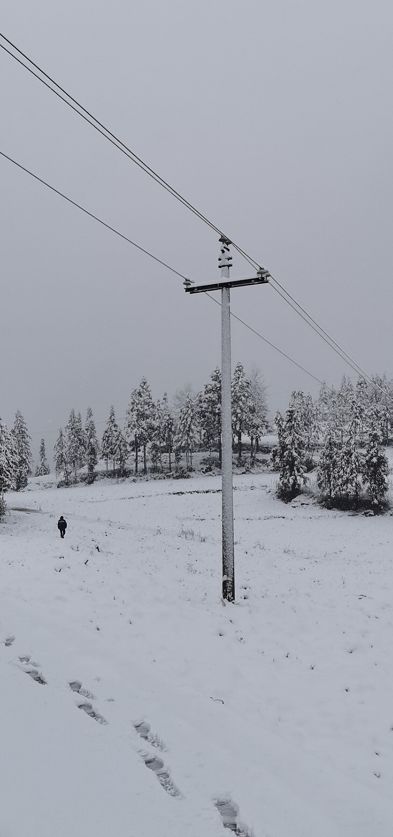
(281, 703)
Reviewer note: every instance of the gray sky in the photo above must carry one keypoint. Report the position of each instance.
(274, 118)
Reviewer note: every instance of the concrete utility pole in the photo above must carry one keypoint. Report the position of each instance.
(228, 548)
(224, 264)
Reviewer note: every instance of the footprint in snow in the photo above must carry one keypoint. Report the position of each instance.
(27, 659)
(36, 676)
(143, 729)
(32, 671)
(164, 777)
(76, 686)
(229, 813)
(9, 641)
(91, 712)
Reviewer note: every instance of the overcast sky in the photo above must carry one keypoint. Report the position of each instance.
(273, 117)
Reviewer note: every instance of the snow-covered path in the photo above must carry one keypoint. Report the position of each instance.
(282, 703)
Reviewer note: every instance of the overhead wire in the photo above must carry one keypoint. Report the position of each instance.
(146, 252)
(92, 215)
(99, 126)
(353, 366)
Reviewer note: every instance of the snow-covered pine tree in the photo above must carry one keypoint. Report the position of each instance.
(307, 419)
(209, 413)
(241, 402)
(81, 441)
(187, 430)
(375, 467)
(291, 454)
(328, 466)
(381, 397)
(114, 447)
(9, 461)
(43, 467)
(363, 404)
(73, 443)
(344, 406)
(140, 421)
(23, 451)
(60, 456)
(109, 439)
(167, 430)
(257, 414)
(121, 453)
(157, 442)
(349, 463)
(90, 445)
(162, 441)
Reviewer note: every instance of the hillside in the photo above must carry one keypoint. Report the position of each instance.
(280, 703)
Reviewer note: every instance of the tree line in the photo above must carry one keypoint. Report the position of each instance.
(342, 434)
(162, 434)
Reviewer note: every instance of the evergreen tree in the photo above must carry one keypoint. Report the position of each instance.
(344, 406)
(375, 467)
(307, 419)
(167, 429)
(109, 439)
(241, 403)
(43, 468)
(363, 404)
(327, 474)
(81, 441)
(121, 453)
(325, 411)
(162, 441)
(140, 421)
(73, 443)
(23, 451)
(257, 412)
(9, 460)
(60, 455)
(209, 413)
(290, 455)
(114, 446)
(349, 466)
(187, 430)
(381, 405)
(90, 445)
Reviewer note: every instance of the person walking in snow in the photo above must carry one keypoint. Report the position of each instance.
(62, 525)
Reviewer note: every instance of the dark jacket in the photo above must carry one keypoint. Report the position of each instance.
(62, 524)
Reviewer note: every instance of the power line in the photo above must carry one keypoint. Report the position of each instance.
(331, 339)
(269, 343)
(95, 123)
(128, 240)
(92, 215)
(338, 352)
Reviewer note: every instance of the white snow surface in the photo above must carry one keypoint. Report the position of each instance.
(282, 702)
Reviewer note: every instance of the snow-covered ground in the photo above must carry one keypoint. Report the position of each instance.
(282, 703)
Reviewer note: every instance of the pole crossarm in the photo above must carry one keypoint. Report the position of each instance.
(233, 283)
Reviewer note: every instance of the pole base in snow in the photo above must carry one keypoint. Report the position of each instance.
(228, 590)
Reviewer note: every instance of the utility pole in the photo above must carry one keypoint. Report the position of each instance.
(228, 548)
(224, 264)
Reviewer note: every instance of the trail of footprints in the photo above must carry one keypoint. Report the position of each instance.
(153, 762)
(228, 810)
